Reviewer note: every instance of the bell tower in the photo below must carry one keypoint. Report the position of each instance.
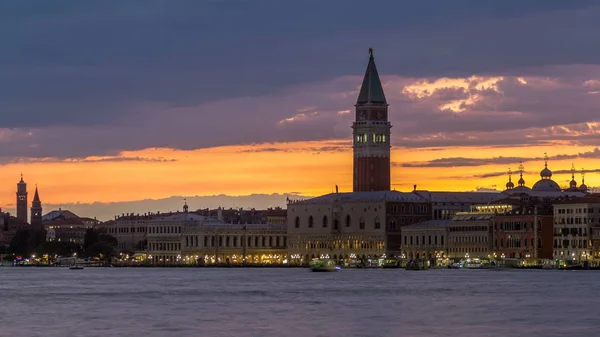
(371, 134)
(36, 210)
(22, 200)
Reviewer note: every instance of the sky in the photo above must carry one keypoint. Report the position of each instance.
(127, 106)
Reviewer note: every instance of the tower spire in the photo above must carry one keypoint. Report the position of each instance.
(583, 186)
(510, 185)
(521, 168)
(371, 90)
(371, 133)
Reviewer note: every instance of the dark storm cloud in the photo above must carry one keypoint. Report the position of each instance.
(94, 78)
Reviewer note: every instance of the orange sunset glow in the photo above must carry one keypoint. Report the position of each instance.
(298, 167)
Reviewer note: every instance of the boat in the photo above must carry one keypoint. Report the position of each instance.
(323, 265)
(472, 265)
(455, 265)
(76, 267)
(391, 263)
(415, 265)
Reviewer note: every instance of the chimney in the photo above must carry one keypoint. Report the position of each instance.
(414, 187)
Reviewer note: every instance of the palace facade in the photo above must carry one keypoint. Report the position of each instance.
(352, 226)
(191, 238)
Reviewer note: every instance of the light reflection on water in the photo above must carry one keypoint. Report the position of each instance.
(294, 302)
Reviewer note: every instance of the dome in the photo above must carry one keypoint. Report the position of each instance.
(573, 183)
(546, 173)
(519, 189)
(521, 181)
(546, 185)
(583, 187)
(509, 185)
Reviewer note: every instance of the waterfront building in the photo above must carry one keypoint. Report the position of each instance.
(426, 240)
(207, 241)
(523, 231)
(185, 237)
(469, 236)
(66, 226)
(129, 229)
(574, 219)
(22, 200)
(66, 230)
(352, 226)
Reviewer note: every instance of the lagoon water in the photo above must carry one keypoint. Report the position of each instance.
(295, 302)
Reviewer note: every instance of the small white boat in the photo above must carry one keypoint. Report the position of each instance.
(472, 265)
(323, 265)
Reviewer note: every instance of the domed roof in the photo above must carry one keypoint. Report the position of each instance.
(510, 185)
(521, 181)
(518, 189)
(547, 185)
(573, 183)
(583, 187)
(546, 173)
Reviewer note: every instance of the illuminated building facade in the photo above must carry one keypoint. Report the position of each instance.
(351, 226)
(573, 222)
(470, 236)
(191, 238)
(524, 232)
(426, 240)
(211, 242)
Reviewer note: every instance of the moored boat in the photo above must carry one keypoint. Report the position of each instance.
(323, 265)
(416, 265)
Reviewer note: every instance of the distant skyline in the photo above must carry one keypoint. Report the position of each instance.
(114, 101)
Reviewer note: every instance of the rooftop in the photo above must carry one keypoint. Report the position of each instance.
(361, 197)
(429, 224)
(467, 216)
(371, 90)
(460, 197)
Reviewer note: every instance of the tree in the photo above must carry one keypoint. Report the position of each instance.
(91, 237)
(102, 250)
(98, 244)
(18, 244)
(108, 239)
(26, 241)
